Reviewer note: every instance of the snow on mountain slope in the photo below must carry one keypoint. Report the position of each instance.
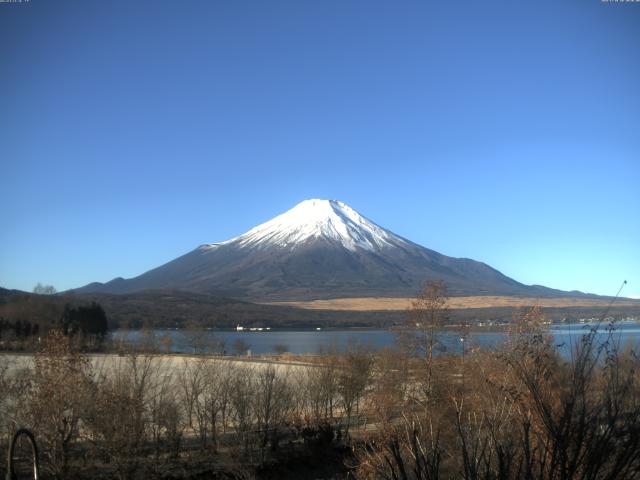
(319, 249)
(312, 219)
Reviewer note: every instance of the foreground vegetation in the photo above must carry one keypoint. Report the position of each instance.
(407, 413)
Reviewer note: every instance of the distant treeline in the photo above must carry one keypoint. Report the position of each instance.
(18, 329)
(24, 317)
(88, 321)
(171, 309)
(177, 309)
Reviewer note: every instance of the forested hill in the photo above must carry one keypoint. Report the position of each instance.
(24, 315)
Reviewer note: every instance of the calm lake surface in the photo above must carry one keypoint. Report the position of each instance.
(312, 341)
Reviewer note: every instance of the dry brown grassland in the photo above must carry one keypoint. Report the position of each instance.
(394, 304)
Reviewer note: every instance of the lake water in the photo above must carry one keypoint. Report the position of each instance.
(312, 341)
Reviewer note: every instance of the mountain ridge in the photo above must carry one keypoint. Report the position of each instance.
(320, 249)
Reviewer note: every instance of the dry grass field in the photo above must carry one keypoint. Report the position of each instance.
(384, 303)
(169, 364)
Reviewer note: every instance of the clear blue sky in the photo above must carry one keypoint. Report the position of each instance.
(507, 132)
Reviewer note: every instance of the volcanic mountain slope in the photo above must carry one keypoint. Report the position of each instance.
(319, 249)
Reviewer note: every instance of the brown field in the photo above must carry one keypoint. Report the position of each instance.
(384, 303)
(169, 364)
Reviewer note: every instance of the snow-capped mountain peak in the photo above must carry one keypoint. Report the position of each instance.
(318, 249)
(319, 219)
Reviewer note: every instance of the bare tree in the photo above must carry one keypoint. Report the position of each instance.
(272, 402)
(118, 420)
(320, 387)
(196, 337)
(354, 375)
(166, 342)
(192, 385)
(546, 417)
(218, 379)
(149, 341)
(41, 289)
(241, 399)
(410, 449)
(59, 395)
(419, 336)
(390, 385)
(280, 348)
(240, 347)
(165, 424)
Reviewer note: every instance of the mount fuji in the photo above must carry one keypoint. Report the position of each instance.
(317, 250)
